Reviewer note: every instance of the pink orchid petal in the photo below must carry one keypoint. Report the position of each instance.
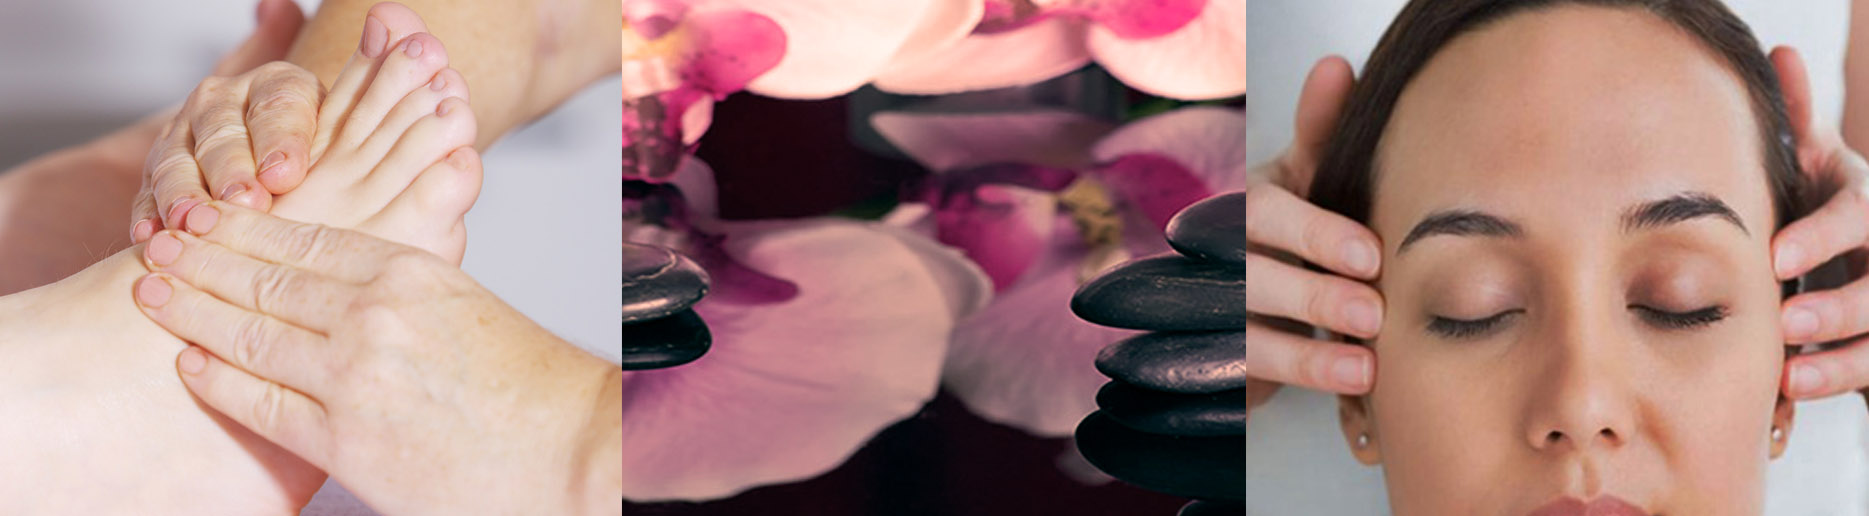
(1205, 59)
(1027, 361)
(728, 48)
(834, 46)
(696, 181)
(964, 285)
(1136, 19)
(1205, 140)
(695, 121)
(653, 18)
(947, 23)
(1007, 15)
(1154, 185)
(1032, 54)
(947, 142)
(790, 390)
(1001, 227)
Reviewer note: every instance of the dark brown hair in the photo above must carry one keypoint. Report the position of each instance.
(1344, 182)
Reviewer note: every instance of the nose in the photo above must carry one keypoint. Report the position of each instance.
(1580, 401)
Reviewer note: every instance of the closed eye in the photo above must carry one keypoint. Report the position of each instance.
(1681, 320)
(1469, 328)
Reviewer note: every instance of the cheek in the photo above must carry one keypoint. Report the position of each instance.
(1443, 442)
(1712, 408)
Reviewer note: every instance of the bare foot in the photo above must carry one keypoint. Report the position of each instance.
(95, 419)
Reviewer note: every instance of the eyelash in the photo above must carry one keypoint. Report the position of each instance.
(1470, 328)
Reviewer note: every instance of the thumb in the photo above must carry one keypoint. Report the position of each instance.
(279, 22)
(1326, 90)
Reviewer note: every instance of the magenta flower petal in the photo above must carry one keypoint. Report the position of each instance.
(835, 46)
(1204, 140)
(1204, 59)
(1001, 227)
(790, 390)
(946, 142)
(1026, 361)
(1154, 185)
(1029, 55)
(1136, 19)
(675, 67)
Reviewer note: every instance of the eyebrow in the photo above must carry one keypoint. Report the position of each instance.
(1461, 223)
(1676, 209)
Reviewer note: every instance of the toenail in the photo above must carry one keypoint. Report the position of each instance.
(413, 48)
(192, 360)
(202, 220)
(444, 109)
(458, 158)
(140, 230)
(438, 84)
(153, 291)
(373, 37)
(272, 160)
(163, 249)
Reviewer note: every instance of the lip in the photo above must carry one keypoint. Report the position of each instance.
(1601, 506)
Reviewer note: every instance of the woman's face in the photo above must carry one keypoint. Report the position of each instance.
(1581, 304)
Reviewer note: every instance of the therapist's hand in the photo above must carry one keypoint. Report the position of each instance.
(1838, 228)
(388, 368)
(1282, 227)
(239, 138)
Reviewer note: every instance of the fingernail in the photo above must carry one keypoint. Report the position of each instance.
(439, 83)
(1364, 316)
(163, 248)
(1800, 323)
(141, 230)
(272, 160)
(1360, 257)
(233, 190)
(1805, 380)
(374, 37)
(192, 360)
(153, 291)
(413, 48)
(1351, 373)
(1789, 256)
(181, 209)
(202, 220)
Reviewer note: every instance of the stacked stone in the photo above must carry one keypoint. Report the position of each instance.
(1173, 417)
(660, 328)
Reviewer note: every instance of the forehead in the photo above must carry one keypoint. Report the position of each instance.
(1574, 110)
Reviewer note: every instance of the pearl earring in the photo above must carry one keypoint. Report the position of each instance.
(1778, 434)
(1362, 440)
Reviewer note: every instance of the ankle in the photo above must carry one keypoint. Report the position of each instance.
(597, 475)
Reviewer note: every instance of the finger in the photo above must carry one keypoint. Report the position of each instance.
(282, 119)
(1839, 226)
(1334, 303)
(262, 345)
(1293, 360)
(343, 255)
(143, 218)
(1278, 219)
(1326, 90)
(1827, 373)
(297, 296)
(1257, 393)
(223, 146)
(277, 413)
(1796, 87)
(171, 167)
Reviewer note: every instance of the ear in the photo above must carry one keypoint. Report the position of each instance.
(1353, 414)
(1782, 416)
